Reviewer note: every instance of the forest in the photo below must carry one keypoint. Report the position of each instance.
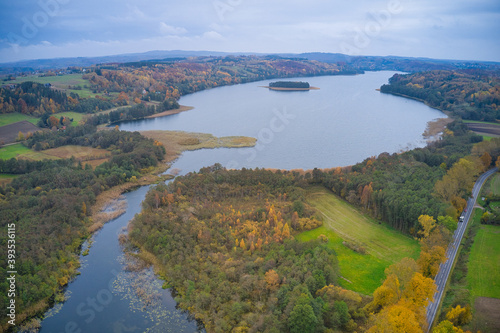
(37, 99)
(150, 81)
(224, 240)
(52, 200)
(467, 94)
(225, 243)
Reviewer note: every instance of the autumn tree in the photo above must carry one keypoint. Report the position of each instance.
(420, 290)
(396, 319)
(272, 279)
(486, 160)
(427, 223)
(403, 270)
(366, 195)
(459, 316)
(20, 136)
(430, 260)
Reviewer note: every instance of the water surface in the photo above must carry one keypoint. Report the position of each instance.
(344, 122)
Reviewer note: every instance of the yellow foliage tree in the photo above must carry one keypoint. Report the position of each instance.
(428, 223)
(420, 290)
(486, 160)
(272, 279)
(429, 261)
(446, 327)
(403, 270)
(395, 319)
(459, 315)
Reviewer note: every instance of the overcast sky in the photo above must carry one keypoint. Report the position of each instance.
(446, 29)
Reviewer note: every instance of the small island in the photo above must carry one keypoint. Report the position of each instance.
(290, 86)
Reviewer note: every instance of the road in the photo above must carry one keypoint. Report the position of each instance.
(451, 252)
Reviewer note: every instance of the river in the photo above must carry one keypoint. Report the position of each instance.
(344, 122)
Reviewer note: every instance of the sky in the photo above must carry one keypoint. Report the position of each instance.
(442, 29)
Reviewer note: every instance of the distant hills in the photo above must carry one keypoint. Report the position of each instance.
(407, 64)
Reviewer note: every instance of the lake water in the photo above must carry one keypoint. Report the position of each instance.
(344, 122)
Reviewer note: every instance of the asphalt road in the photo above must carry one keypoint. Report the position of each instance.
(451, 252)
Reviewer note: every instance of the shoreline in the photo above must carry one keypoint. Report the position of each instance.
(180, 109)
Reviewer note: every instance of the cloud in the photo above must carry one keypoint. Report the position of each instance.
(166, 29)
(214, 35)
(426, 28)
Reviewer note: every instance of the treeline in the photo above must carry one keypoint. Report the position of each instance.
(50, 207)
(33, 99)
(399, 304)
(223, 239)
(36, 99)
(137, 111)
(469, 94)
(289, 84)
(150, 81)
(398, 188)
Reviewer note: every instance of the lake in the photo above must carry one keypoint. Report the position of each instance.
(344, 122)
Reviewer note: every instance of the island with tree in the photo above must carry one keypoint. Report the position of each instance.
(290, 86)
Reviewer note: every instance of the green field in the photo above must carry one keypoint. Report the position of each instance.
(495, 184)
(20, 151)
(77, 117)
(484, 263)
(10, 118)
(384, 246)
(60, 82)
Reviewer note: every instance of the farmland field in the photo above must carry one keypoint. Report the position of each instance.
(78, 152)
(61, 82)
(10, 118)
(484, 268)
(9, 133)
(342, 222)
(20, 151)
(87, 155)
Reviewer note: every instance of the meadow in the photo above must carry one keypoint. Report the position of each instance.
(483, 268)
(343, 223)
(484, 259)
(61, 82)
(10, 118)
(87, 155)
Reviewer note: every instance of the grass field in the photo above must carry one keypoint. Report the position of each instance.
(484, 263)
(61, 82)
(92, 156)
(13, 151)
(342, 222)
(10, 118)
(495, 184)
(79, 152)
(77, 117)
